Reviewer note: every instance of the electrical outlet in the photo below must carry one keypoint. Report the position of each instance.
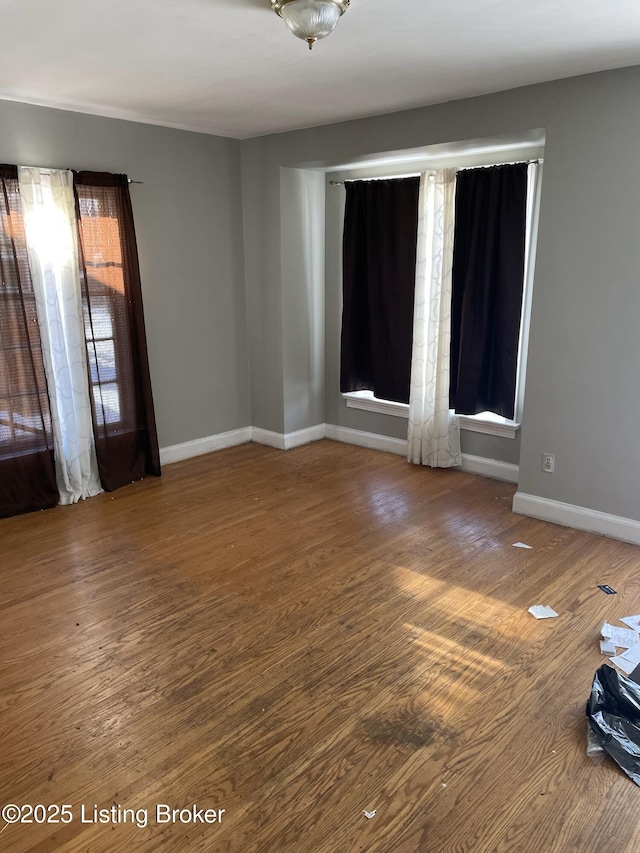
(549, 463)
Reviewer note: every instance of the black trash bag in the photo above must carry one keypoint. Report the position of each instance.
(613, 711)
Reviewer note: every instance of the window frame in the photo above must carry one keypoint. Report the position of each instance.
(460, 156)
(485, 422)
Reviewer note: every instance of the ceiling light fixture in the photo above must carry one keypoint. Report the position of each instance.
(310, 20)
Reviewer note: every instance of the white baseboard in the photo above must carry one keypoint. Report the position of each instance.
(268, 438)
(568, 515)
(286, 441)
(470, 464)
(367, 439)
(490, 468)
(178, 452)
(304, 436)
(579, 517)
(200, 446)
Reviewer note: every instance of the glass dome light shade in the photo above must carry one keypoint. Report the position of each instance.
(311, 20)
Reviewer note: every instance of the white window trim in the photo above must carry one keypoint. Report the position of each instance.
(486, 423)
(365, 400)
(489, 424)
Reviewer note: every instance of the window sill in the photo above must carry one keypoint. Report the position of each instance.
(489, 424)
(486, 423)
(365, 400)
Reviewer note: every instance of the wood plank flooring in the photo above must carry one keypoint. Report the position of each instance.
(299, 637)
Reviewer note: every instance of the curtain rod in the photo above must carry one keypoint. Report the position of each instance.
(44, 171)
(535, 162)
(381, 178)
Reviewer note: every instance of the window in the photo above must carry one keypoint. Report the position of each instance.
(379, 263)
(124, 420)
(75, 392)
(487, 288)
(25, 420)
(104, 309)
(475, 420)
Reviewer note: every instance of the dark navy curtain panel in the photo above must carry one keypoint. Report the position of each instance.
(488, 275)
(379, 265)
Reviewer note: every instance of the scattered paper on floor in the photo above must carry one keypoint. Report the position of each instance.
(628, 660)
(632, 622)
(542, 611)
(624, 638)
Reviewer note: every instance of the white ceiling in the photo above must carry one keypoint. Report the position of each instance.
(231, 67)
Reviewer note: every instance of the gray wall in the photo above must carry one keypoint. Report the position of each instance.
(230, 238)
(302, 247)
(188, 219)
(583, 352)
(262, 250)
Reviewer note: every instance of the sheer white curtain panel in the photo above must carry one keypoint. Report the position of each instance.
(52, 243)
(434, 433)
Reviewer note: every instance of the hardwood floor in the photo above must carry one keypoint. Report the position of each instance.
(299, 637)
